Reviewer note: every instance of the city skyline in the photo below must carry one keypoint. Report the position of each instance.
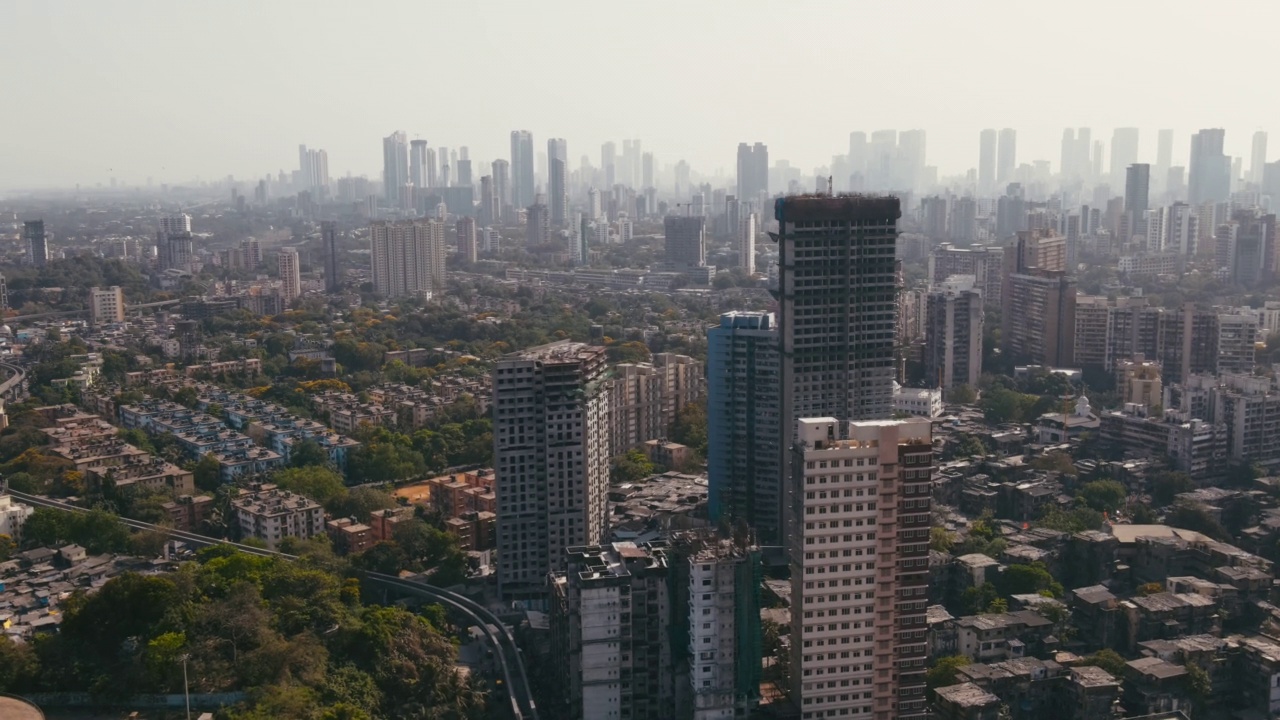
(279, 100)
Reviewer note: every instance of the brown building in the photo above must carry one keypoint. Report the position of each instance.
(1038, 301)
(383, 522)
(189, 512)
(349, 536)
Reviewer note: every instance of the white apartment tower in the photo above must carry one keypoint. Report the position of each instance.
(551, 460)
(407, 257)
(106, 305)
(290, 273)
(859, 555)
(953, 333)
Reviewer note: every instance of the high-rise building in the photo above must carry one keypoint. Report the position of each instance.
(608, 163)
(1007, 159)
(987, 163)
(106, 305)
(37, 242)
(953, 333)
(407, 258)
(1124, 152)
(537, 225)
(329, 244)
(984, 262)
(647, 397)
(1137, 189)
(558, 180)
(753, 171)
(502, 188)
(418, 166)
(1209, 180)
(1038, 301)
(467, 248)
(744, 424)
(490, 210)
(173, 243)
(1258, 157)
(523, 182)
(395, 166)
(313, 172)
(290, 273)
(837, 286)
(747, 243)
(1164, 157)
(685, 242)
(859, 555)
(646, 174)
(551, 460)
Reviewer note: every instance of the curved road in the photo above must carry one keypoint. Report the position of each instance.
(506, 654)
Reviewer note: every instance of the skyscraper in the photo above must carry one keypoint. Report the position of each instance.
(557, 180)
(608, 163)
(173, 243)
(467, 248)
(685, 241)
(1124, 152)
(986, 163)
(1209, 179)
(37, 242)
(953, 333)
(407, 257)
(490, 211)
(1258, 157)
(290, 274)
(747, 243)
(646, 175)
(418, 165)
(395, 166)
(551, 460)
(1137, 186)
(329, 243)
(859, 567)
(106, 305)
(837, 288)
(858, 153)
(753, 171)
(523, 184)
(1164, 155)
(502, 188)
(537, 225)
(1038, 301)
(744, 423)
(1007, 161)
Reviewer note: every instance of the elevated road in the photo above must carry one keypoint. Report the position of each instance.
(506, 655)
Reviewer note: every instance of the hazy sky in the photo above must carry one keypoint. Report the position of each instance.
(174, 90)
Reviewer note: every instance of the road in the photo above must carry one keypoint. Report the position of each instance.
(506, 653)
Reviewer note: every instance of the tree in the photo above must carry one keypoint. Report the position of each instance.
(361, 502)
(976, 600)
(208, 473)
(1140, 514)
(943, 672)
(940, 540)
(308, 453)
(690, 426)
(1199, 686)
(1167, 484)
(1104, 495)
(1002, 405)
(1195, 517)
(962, 395)
(186, 396)
(318, 483)
(632, 467)
(1020, 579)
(434, 551)
(997, 607)
(1071, 521)
(971, 446)
(1108, 660)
